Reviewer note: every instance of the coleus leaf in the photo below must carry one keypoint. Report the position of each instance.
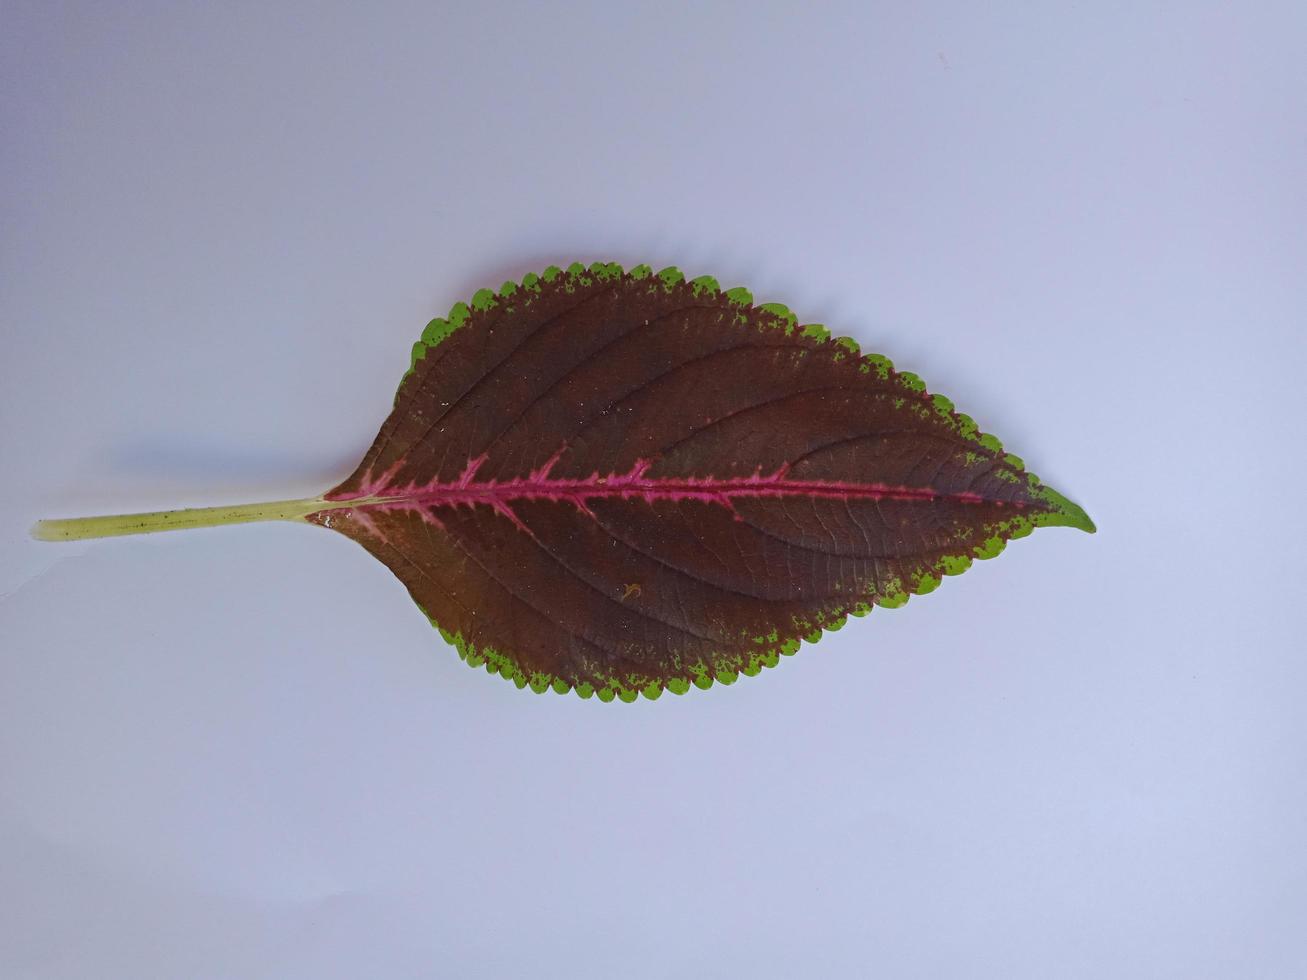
(623, 482)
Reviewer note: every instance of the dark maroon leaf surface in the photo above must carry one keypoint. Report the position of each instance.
(624, 482)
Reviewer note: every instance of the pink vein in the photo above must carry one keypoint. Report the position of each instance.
(499, 495)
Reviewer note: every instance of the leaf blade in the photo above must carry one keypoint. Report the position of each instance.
(620, 483)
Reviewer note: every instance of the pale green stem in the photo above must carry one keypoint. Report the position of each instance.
(81, 528)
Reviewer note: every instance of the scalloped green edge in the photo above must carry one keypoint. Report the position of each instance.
(771, 650)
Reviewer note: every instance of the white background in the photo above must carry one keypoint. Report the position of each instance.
(244, 753)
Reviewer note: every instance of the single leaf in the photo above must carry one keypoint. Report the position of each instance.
(623, 482)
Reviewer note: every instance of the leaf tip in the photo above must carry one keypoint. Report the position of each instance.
(1064, 513)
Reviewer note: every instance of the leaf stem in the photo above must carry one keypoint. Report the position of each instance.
(81, 528)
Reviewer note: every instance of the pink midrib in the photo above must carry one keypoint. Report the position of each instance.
(466, 490)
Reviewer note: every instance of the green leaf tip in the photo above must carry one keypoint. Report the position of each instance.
(1065, 513)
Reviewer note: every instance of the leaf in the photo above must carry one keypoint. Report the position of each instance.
(624, 482)
(621, 483)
